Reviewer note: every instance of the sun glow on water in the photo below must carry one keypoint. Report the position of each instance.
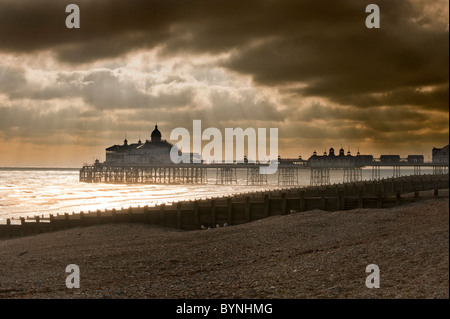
(43, 192)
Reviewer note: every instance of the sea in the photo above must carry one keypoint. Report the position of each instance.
(44, 191)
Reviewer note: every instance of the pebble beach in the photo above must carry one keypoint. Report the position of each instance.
(314, 254)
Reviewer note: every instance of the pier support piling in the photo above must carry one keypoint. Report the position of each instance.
(320, 176)
(287, 176)
(226, 176)
(254, 177)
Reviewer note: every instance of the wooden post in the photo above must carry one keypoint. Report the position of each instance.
(340, 197)
(37, 225)
(213, 212)
(162, 217)
(397, 197)
(323, 200)
(114, 215)
(98, 217)
(66, 220)
(146, 215)
(247, 209)
(179, 215)
(283, 203)
(130, 215)
(360, 198)
(436, 193)
(380, 198)
(302, 201)
(196, 217)
(8, 227)
(22, 226)
(230, 210)
(416, 195)
(52, 222)
(82, 220)
(266, 205)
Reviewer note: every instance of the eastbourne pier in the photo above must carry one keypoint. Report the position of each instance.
(226, 174)
(149, 163)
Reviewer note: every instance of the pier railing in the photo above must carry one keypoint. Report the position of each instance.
(245, 207)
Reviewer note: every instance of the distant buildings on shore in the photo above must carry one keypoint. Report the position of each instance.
(440, 155)
(342, 158)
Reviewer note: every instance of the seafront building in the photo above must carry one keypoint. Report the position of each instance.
(341, 158)
(153, 151)
(440, 155)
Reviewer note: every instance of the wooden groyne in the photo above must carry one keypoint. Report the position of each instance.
(246, 207)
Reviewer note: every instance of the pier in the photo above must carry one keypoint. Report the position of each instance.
(151, 162)
(226, 174)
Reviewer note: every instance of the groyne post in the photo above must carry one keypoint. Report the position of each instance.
(247, 209)
(380, 199)
(66, 220)
(196, 217)
(323, 200)
(229, 210)
(266, 205)
(302, 201)
(179, 215)
(360, 198)
(162, 219)
(398, 197)
(8, 228)
(114, 215)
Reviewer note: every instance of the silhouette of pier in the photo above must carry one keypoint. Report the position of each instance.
(226, 173)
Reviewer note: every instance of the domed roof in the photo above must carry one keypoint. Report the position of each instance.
(156, 134)
(331, 152)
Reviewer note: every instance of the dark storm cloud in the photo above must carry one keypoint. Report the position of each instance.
(318, 111)
(323, 45)
(435, 99)
(379, 121)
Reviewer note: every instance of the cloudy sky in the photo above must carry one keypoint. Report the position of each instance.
(309, 68)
